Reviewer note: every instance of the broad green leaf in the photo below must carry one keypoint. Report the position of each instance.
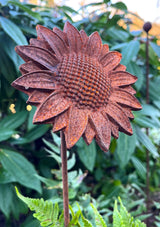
(140, 167)
(87, 154)
(145, 140)
(8, 46)
(6, 196)
(20, 168)
(129, 51)
(13, 31)
(13, 121)
(149, 110)
(6, 177)
(6, 133)
(146, 122)
(33, 134)
(118, 35)
(156, 48)
(7, 67)
(71, 162)
(134, 69)
(125, 148)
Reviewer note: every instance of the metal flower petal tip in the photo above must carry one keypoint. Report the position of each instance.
(78, 85)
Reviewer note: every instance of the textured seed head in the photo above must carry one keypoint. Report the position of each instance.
(84, 80)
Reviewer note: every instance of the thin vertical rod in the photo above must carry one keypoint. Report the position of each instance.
(147, 130)
(65, 179)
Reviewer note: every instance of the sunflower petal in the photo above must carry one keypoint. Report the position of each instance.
(57, 44)
(123, 97)
(102, 128)
(60, 121)
(84, 37)
(114, 129)
(129, 89)
(94, 45)
(38, 80)
(118, 115)
(61, 34)
(40, 43)
(39, 55)
(38, 96)
(111, 60)
(127, 111)
(74, 37)
(89, 134)
(104, 51)
(120, 68)
(78, 120)
(55, 104)
(120, 78)
(30, 66)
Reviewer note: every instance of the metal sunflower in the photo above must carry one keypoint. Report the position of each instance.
(78, 85)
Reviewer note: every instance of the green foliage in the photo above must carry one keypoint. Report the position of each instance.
(121, 218)
(51, 217)
(44, 211)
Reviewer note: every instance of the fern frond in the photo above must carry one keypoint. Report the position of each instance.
(44, 211)
(123, 219)
(86, 223)
(98, 218)
(75, 218)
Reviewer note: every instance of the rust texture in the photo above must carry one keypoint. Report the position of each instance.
(78, 85)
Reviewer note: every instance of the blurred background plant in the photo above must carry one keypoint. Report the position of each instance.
(29, 154)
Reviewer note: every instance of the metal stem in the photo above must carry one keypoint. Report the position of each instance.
(147, 130)
(65, 179)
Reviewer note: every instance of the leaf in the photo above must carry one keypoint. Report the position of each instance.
(33, 134)
(6, 177)
(140, 167)
(125, 148)
(6, 133)
(44, 211)
(146, 122)
(129, 51)
(13, 121)
(20, 168)
(149, 110)
(134, 69)
(13, 31)
(98, 218)
(68, 9)
(145, 140)
(86, 223)
(26, 9)
(119, 5)
(6, 195)
(87, 154)
(156, 48)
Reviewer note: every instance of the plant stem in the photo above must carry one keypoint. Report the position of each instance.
(147, 130)
(65, 179)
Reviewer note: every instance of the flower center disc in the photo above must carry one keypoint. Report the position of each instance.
(84, 80)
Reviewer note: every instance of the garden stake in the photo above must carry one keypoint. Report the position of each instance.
(79, 87)
(65, 179)
(147, 26)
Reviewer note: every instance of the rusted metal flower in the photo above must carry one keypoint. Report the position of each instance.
(78, 85)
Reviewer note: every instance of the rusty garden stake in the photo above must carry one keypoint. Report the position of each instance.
(79, 87)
